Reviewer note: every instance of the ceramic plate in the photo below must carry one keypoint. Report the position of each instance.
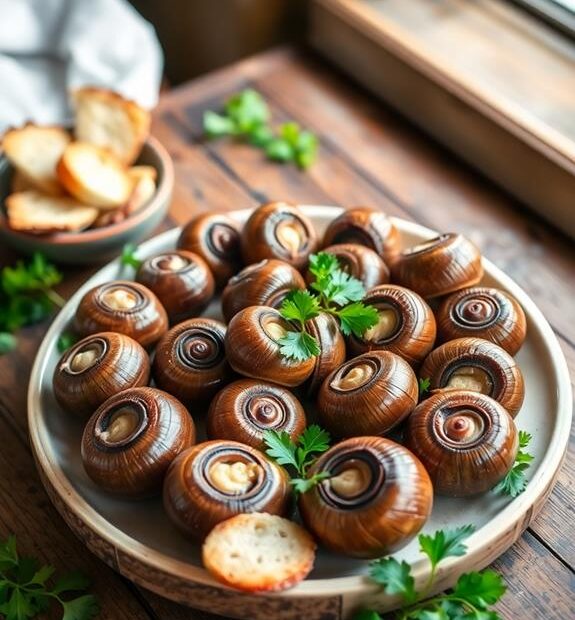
(136, 539)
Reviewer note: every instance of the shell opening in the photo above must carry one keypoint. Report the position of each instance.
(200, 348)
(463, 427)
(425, 246)
(234, 477)
(171, 262)
(120, 298)
(357, 376)
(274, 328)
(86, 357)
(470, 378)
(353, 481)
(386, 326)
(222, 239)
(266, 411)
(121, 426)
(477, 311)
(290, 235)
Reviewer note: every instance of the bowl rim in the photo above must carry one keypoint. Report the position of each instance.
(90, 235)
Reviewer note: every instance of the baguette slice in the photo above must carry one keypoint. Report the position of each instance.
(38, 213)
(94, 176)
(258, 552)
(35, 151)
(106, 119)
(20, 182)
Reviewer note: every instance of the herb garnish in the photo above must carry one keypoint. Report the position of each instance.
(128, 257)
(515, 481)
(470, 599)
(299, 455)
(247, 116)
(25, 591)
(424, 383)
(66, 340)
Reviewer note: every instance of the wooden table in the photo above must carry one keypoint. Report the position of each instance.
(368, 155)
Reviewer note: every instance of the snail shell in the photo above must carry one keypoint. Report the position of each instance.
(253, 349)
(377, 499)
(182, 281)
(368, 395)
(125, 307)
(245, 409)
(482, 312)
(278, 230)
(216, 238)
(466, 441)
(190, 360)
(439, 266)
(266, 283)
(216, 480)
(359, 261)
(96, 368)
(477, 365)
(365, 226)
(406, 325)
(130, 441)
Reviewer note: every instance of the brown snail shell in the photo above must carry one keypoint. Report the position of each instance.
(368, 395)
(477, 365)
(325, 330)
(377, 499)
(359, 261)
(266, 283)
(216, 238)
(130, 441)
(365, 226)
(439, 266)
(278, 230)
(245, 409)
(253, 350)
(406, 325)
(96, 368)
(181, 280)
(190, 361)
(482, 312)
(125, 307)
(216, 480)
(467, 441)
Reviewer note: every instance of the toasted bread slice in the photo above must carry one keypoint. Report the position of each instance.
(35, 151)
(94, 176)
(39, 213)
(258, 552)
(20, 183)
(106, 119)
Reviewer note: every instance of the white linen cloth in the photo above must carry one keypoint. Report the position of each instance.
(48, 47)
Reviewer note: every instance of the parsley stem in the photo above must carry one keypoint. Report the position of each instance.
(55, 298)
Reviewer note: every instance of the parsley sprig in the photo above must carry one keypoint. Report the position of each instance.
(28, 589)
(299, 455)
(515, 481)
(424, 384)
(27, 296)
(246, 117)
(470, 599)
(128, 257)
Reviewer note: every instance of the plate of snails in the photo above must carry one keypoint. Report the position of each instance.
(149, 432)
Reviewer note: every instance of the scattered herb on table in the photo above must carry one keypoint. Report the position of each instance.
(470, 599)
(28, 589)
(128, 257)
(246, 116)
(27, 296)
(299, 455)
(515, 481)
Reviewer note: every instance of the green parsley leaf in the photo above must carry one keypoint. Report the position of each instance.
(424, 383)
(247, 110)
(515, 481)
(42, 575)
(8, 552)
(216, 125)
(298, 346)
(480, 589)
(281, 448)
(303, 485)
(524, 439)
(8, 342)
(366, 614)
(18, 606)
(343, 288)
(322, 265)
(290, 132)
(357, 318)
(445, 543)
(306, 150)
(300, 306)
(66, 340)
(81, 608)
(314, 439)
(128, 257)
(394, 577)
(261, 136)
(278, 149)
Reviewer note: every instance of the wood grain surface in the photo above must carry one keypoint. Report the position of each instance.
(368, 156)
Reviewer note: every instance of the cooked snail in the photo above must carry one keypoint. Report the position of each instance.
(130, 441)
(482, 312)
(278, 230)
(243, 410)
(365, 226)
(406, 324)
(181, 280)
(368, 395)
(96, 368)
(216, 480)
(360, 262)
(253, 349)
(466, 441)
(477, 365)
(216, 238)
(439, 266)
(266, 283)
(124, 307)
(190, 361)
(377, 498)
(332, 350)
